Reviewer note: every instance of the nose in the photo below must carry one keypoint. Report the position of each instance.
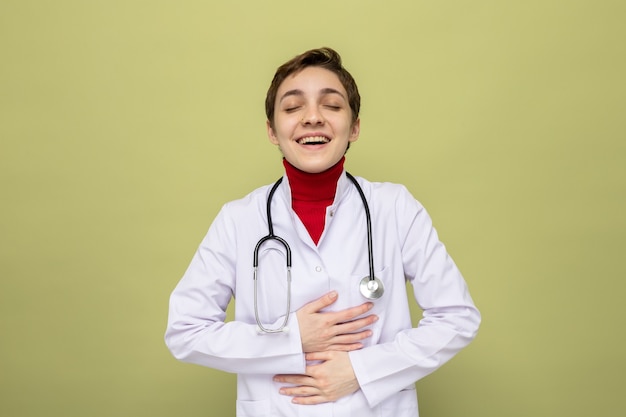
(312, 116)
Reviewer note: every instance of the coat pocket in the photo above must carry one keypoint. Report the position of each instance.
(402, 404)
(259, 408)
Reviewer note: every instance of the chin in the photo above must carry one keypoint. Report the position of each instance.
(313, 165)
(310, 170)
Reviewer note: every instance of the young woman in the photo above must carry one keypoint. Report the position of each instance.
(322, 327)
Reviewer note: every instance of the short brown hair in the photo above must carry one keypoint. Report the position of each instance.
(325, 58)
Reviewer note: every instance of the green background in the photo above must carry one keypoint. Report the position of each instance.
(125, 125)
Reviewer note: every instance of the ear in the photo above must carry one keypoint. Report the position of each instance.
(270, 133)
(356, 129)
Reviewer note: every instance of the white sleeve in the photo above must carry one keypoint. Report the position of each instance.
(197, 331)
(450, 319)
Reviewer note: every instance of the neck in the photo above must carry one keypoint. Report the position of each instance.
(311, 194)
(313, 187)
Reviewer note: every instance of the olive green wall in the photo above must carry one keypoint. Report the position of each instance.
(126, 124)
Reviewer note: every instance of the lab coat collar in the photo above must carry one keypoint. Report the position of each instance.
(343, 187)
(283, 193)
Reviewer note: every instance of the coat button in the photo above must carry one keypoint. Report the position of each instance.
(318, 269)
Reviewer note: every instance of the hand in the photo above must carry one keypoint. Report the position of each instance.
(338, 331)
(323, 382)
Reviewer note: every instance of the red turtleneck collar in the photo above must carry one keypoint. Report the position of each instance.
(311, 194)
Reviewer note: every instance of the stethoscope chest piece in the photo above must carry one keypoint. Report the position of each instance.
(372, 289)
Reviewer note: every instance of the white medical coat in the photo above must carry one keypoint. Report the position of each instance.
(406, 248)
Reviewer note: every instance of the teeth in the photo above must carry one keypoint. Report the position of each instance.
(313, 139)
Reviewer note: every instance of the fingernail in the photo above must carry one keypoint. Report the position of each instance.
(333, 294)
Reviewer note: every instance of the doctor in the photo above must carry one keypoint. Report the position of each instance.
(339, 354)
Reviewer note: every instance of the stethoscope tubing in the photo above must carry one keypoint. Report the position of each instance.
(255, 264)
(368, 220)
(374, 293)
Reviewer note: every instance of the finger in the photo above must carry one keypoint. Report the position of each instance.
(321, 303)
(349, 338)
(317, 356)
(351, 313)
(346, 347)
(299, 391)
(295, 379)
(310, 400)
(355, 325)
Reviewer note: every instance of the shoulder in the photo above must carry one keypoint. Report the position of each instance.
(388, 194)
(247, 205)
(253, 196)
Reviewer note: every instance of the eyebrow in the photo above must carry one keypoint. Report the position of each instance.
(323, 91)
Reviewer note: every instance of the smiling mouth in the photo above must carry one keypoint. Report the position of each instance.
(313, 140)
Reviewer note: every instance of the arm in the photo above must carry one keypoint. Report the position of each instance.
(197, 331)
(450, 319)
(450, 322)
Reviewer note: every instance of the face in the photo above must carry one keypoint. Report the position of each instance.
(312, 120)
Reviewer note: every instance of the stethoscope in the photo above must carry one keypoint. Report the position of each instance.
(370, 287)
